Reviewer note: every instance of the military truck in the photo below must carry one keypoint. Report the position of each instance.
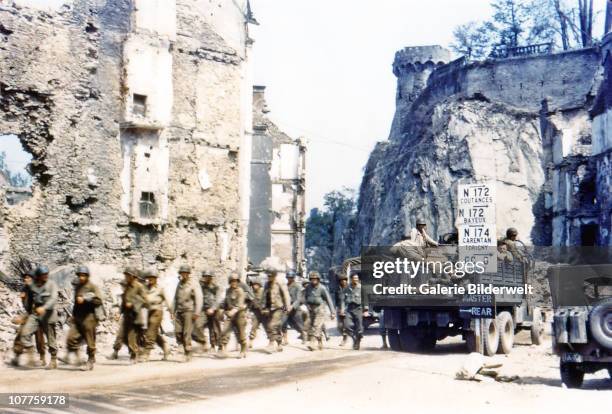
(582, 321)
(487, 322)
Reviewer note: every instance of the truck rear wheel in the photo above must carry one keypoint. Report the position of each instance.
(394, 340)
(571, 375)
(490, 336)
(537, 328)
(506, 332)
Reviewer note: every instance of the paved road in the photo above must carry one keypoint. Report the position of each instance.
(193, 388)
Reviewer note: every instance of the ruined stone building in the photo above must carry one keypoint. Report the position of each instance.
(277, 211)
(536, 123)
(138, 115)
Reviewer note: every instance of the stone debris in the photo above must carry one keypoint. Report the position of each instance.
(477, 368)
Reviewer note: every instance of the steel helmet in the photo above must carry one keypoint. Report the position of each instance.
(82, 270)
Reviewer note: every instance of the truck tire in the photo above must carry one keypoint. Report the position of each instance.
(571, 375)
(490, 337)
(409, 340)
(506, 332)
(537, 327)
(600, 322)
(394, 340)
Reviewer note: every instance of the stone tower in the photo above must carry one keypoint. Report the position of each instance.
(413, 65)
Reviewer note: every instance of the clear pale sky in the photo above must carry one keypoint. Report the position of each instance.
(327, 68)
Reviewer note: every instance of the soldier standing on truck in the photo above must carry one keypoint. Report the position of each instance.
(354, 310)
(414, 241)
(502, 251)
(341, 306)
(293, 318)
(277, 302)
(511, 242)
(316, 296)
(156, 298)
(42, 316)
(85, 316)
(187, 308)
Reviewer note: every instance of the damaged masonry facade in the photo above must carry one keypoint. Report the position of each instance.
(138, 115)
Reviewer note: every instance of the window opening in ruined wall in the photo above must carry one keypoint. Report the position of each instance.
(139, 105)
(15, 178)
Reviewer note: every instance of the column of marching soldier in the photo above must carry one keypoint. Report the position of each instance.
(200, 313)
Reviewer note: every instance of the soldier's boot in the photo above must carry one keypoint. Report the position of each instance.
(52, 363)
(144, 357)
(15, 360)
(42, 360)
(270, 347)
(243, 349)
(251, 343)
(71, 358)
(304, 338)
(133, 359)
(343, 342)
(114, 355)
(384, 341)
(31, 361)
(312, 345)
(89, 365)
(187, 356)
(320, 344)
(222, 353)
(166, 350)
(285, 338)
(279, 346)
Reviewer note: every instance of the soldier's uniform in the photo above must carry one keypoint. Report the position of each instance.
(235, 307)
(26, 297)
(133, 300)
(84, 318)
(277, 301)
(315, 298)
(354, 313)
(209, 318)
(187, 307)
(256, 306)
(156, 298)
(293, 318)
(44, 296)
(340, 308)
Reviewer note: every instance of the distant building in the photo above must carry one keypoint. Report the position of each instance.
(277, 206)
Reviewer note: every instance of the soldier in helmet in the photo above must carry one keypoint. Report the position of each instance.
(354, 309)
(341, 307)
(187, 309)
(234, 307)
(133, 300)
(293, 318)
(156, 298)
(43, 315)
(87, 297)
(257, 305)
(26, 299)
(277, 302)
(511, 244)
(209, 318)
(316, 297)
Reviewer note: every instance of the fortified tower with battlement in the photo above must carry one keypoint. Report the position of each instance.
(413, 65)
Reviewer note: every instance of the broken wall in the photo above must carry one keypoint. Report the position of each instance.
(135, 117)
